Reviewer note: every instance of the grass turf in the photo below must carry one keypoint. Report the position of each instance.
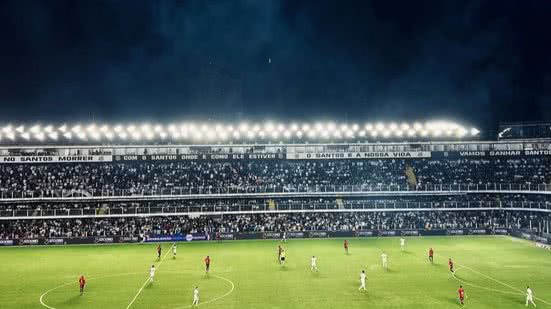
(491, 268)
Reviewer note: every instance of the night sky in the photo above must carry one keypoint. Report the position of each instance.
(478, 62)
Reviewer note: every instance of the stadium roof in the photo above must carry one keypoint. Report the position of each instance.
(207, 132)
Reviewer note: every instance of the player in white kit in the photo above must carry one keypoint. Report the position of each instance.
(384, 259)
(402, 244)
(174, 251)
(195, 296)
(313, 264)
(363, 278)
(151, 273)
(529, 296)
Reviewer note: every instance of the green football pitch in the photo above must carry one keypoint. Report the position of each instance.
(494, 271)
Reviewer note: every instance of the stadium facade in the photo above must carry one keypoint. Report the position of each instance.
(194, 178)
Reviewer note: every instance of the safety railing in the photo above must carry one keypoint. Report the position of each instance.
(283, 207)
(133, 193)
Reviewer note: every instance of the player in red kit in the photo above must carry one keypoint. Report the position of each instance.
(431, 255)
(159, 251)
(207, 264)
(461, 293)
(82, 284)
(450, 264)
(346, 246)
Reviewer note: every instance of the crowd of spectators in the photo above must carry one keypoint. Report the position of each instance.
(346, 221)
(244, 176)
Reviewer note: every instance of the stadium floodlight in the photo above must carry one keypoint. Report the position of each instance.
(158, 128)
(312, 133)
(474, 131)
(250, 134)
(374, 133)
(35, 129)
(68, 135)
(417, 126)
(411, 132)
(91, 128)
(398, 133)
(26, 135)
(131, 128)
(20, 129)
(149, 135)
(49, 129)
(53, 135)
(319, 127)
(81, 135)
(95, 135)
(275, 134)
(355, 127)
(331, 126)
(236, 134)
(77, 128)
(379, 126)
(104, 128)
(262, 134)
(305, 127)
(349, 133)
(393, 127)
(204, 127)
(145, 128)
(243, 127)
(386, 133)
(344, 127)
(299, 134)
(368, 126)
(404, 126)
(175, 134)
(123, 135)
(39, 136)
(63, 128)
(294, 127)
(223, 135)
(118, 128)
(109, 135)
(424, 133)
(256, 128)
(172, 128)
(7, 128)
(280, 127)
(287, 134)
(135, 135)
(461, 132)
(361, 133)
(10, 135)
(437, 133)
(269, 127)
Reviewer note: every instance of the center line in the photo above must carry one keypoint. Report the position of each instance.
(146, 281)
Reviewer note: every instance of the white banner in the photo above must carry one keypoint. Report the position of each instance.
(358, 155)
(54, 159)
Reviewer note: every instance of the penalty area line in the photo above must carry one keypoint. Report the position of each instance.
(146, 281)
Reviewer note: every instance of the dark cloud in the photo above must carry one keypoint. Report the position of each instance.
(476, 61)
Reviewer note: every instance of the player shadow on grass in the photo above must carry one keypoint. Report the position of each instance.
(72, 300)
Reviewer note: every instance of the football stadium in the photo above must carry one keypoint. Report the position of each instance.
(273, 215)
(275, 154)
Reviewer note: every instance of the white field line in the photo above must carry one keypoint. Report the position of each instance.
(505, 284)
(481, 287)
(147, 281)
(216, 298)
(74, 282)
